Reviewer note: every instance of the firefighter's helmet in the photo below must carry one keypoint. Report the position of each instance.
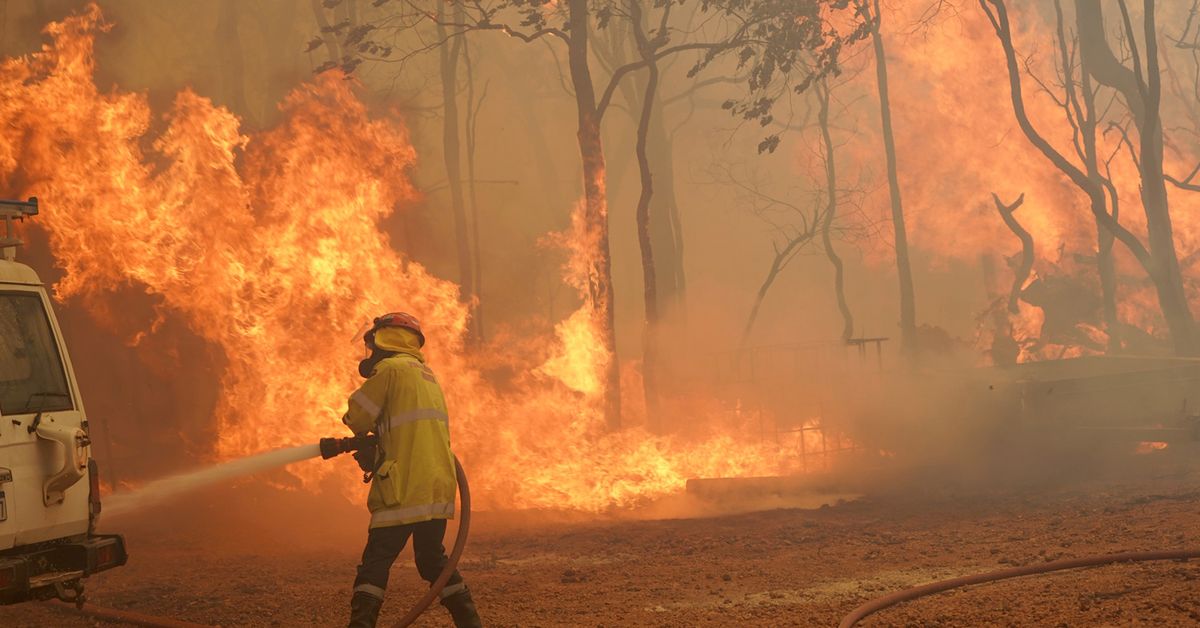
(396, 319)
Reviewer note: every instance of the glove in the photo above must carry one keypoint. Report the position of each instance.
(366, 459)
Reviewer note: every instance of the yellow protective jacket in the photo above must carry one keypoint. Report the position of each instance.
(403, 403)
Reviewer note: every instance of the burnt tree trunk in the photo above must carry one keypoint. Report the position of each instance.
(591, 152)
(448, 58)
(1007, 214)
(666, 225)
(649, 273)
(831, 206)
(472, 128)
(1088, 121)
(908, 311)
(1142, 93)
(1108, 268)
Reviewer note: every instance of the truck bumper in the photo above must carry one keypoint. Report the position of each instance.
(39, 572)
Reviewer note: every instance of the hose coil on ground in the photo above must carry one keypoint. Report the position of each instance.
(891, 599)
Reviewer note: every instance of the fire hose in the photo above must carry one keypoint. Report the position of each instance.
(331, 447)
(126, 617)
(460, 543)
(891, 599)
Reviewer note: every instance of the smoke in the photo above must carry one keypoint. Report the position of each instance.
(957, 142)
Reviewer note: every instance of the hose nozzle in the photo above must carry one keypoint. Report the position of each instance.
(331, 447)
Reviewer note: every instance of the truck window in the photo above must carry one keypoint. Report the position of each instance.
(31, 370)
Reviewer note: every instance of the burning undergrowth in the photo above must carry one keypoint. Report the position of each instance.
(270, 247)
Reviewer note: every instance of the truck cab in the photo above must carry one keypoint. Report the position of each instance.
(49, 487)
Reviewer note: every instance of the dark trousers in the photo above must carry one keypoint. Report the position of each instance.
(384, 545)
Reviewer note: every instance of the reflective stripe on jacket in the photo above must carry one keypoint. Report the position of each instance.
(403, 403)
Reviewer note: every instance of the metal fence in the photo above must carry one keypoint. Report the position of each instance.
(789, 393)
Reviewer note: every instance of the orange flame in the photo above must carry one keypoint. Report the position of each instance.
(1146, 447)
(582, 358)
(958, 142)
(269, 246)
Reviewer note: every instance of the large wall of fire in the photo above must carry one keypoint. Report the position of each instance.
(220, 220)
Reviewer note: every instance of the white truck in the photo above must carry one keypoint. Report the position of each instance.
(49, 486)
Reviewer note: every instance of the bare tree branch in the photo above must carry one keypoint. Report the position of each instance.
(997, 14)
(1027, 250)
(1186, 183)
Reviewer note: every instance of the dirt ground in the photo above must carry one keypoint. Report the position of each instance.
(255, 557)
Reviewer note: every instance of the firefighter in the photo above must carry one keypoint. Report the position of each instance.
(414, 484)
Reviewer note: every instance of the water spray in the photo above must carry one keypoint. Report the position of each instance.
(160, 490)
(168, 487)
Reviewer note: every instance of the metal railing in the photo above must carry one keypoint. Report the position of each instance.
(785, 392)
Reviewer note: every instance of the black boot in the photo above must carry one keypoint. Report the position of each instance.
(462, 609)
(364, 610)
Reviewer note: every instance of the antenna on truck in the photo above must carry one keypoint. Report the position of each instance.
(18, 210)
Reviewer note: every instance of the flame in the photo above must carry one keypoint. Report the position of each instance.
(583, 357)
(270, 246)
(1146, 447)
(958, 141)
